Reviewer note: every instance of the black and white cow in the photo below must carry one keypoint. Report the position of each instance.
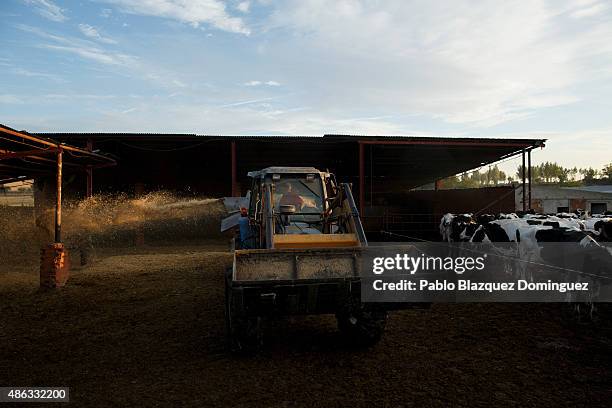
(457, 228)
(600, 226)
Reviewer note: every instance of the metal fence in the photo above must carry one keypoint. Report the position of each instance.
(395, 226)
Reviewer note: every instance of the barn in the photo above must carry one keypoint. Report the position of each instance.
(382, 169)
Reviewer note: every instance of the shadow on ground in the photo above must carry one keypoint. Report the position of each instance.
(145, 328)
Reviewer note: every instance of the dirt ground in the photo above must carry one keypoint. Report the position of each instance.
(144, 327)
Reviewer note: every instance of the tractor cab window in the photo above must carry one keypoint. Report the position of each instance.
(298, 203)
(305, 193)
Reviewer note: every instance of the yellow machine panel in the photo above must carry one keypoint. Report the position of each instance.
(299, 241)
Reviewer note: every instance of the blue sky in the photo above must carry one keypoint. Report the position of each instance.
(460, 68)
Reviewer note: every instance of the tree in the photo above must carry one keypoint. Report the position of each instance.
(573, 173)
(606, 172)
(588, 174)
(547, 172)
(519, 172)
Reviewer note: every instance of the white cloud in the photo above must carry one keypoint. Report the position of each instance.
(95, 54)
(243, 6)
(48, 10)
(41, 33)
(194, 12)
(10, 99)
(129, 65)
(88, 50)
(259, 83)
(247, 102)
(82, 48)
(475, 64)
(73, 96)
(241, 118)
(590, 10)
(106, 13)
(34, 74)
(93, 33)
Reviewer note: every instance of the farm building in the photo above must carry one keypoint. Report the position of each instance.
(555, 199)
(382, 169)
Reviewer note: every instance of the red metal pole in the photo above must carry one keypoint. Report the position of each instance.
(523, 177)
(89, 172)
(529, 176)
(361, 179)
(58, 198)
(26, 153)
(139, 190)
(235, 192)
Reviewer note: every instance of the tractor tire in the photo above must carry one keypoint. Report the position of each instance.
(580, 313)
(244, 335)
(362, 327)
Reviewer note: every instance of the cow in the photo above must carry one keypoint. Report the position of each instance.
(600, 226)
(457, 228)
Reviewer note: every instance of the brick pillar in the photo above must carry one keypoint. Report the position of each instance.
(54, 266)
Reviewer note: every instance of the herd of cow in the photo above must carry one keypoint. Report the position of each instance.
(562, 227)
(577, 246)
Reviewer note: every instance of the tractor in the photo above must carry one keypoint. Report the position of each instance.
(297, 249)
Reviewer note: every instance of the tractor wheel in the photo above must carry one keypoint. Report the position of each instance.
(244, 334)
(362, 327)
(580, 313)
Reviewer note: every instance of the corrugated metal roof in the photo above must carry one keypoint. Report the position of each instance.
(323, 139)
(606, 189)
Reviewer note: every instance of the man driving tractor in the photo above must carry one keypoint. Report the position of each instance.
(290, 197)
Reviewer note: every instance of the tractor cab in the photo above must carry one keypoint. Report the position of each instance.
(297, 199)
(298, 207)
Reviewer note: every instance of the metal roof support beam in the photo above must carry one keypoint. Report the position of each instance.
(58, 198)
(89, 172)
(444, 143)
(26, 153)
(529, 177)
(89, 178)
(13, 179)
(53, 144)
(523, 181)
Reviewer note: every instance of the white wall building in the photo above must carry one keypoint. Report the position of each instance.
(555, 199)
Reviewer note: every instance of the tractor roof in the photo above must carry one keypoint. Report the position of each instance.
(283, 170)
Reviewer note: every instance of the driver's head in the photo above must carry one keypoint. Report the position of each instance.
(286, 188)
